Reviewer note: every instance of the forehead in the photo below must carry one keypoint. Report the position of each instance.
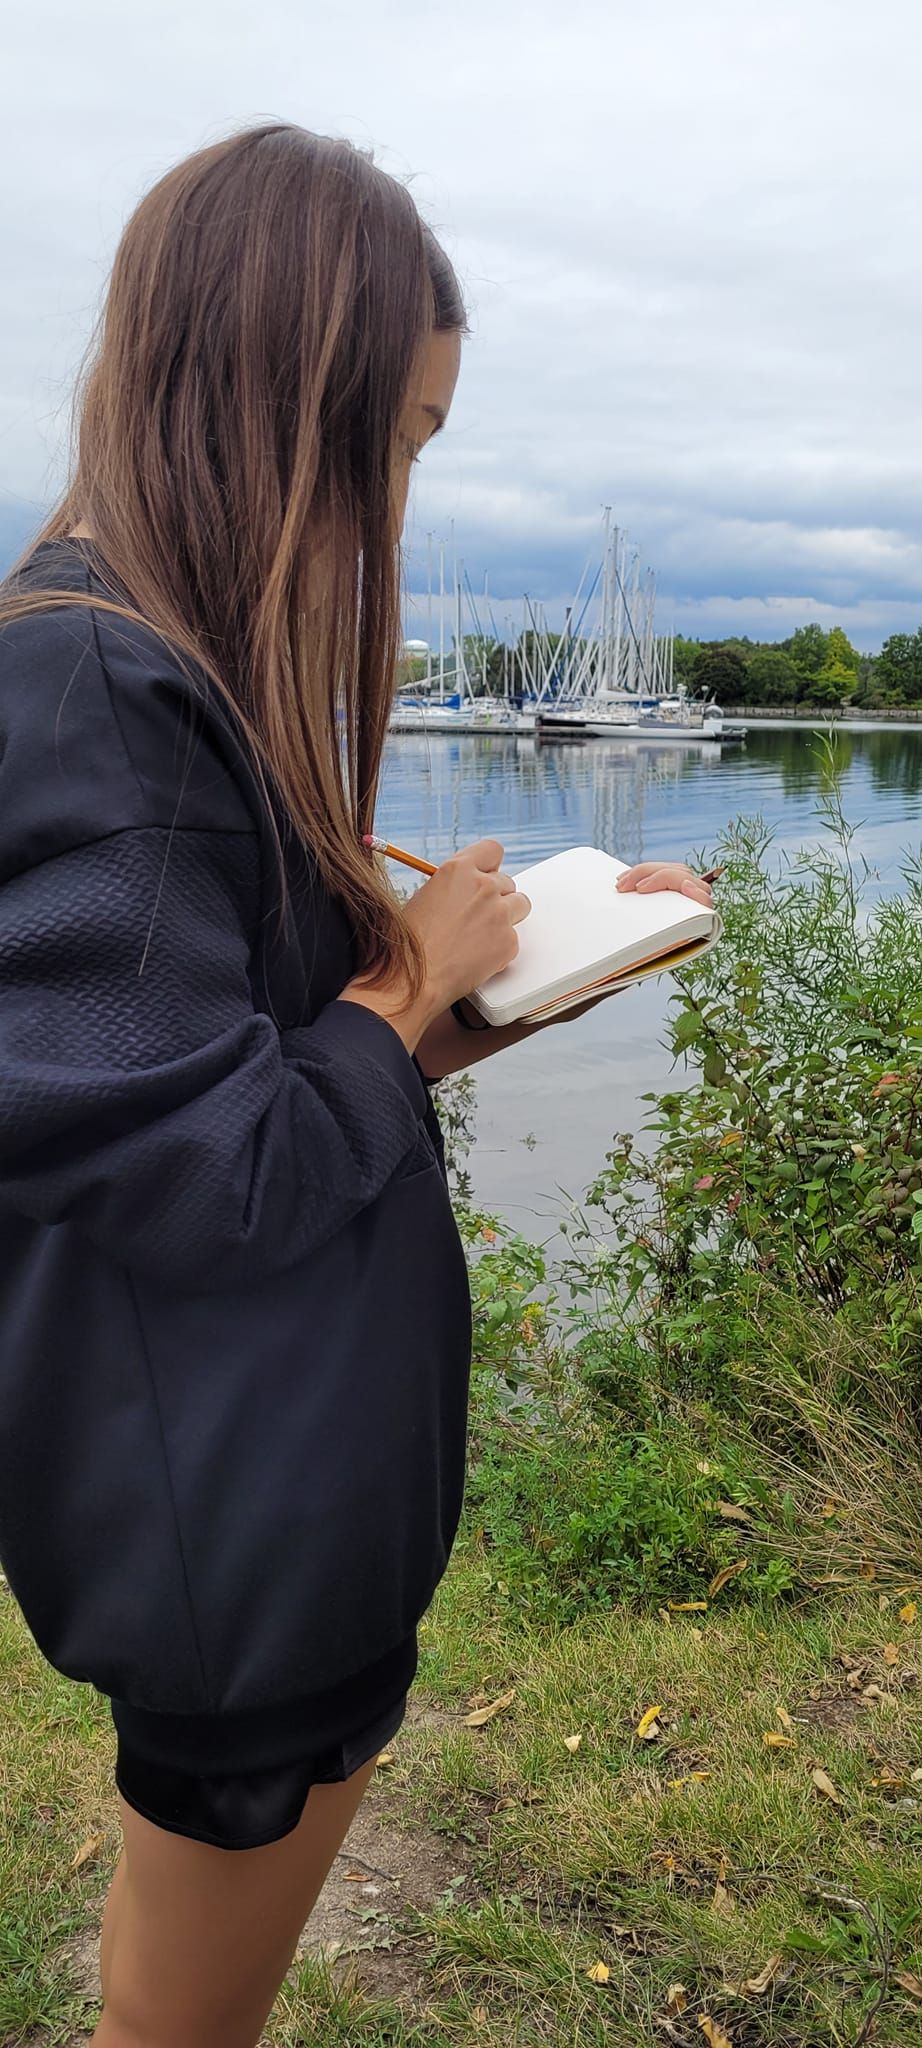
(438, 374)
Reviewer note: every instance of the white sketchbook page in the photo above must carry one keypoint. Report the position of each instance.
(580, 929)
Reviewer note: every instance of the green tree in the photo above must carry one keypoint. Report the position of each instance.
(868, 691)
(483, 660)
(685, 654)
(839, 650)
(772, 677)
(832, 685)
(808, 649)
(898, 677)
(720, 673)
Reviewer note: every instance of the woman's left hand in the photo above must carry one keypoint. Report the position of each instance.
(652, 875)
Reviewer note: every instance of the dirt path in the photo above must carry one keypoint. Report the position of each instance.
(383, 1875)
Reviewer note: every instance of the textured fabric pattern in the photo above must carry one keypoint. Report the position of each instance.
(142, 1098)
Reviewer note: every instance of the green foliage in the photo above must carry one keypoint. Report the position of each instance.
(898, 670)
(684, 655)
(840, 652)
(738, 1316)
(485, 661)
(720, 673)
(771, 677)
(808, 649)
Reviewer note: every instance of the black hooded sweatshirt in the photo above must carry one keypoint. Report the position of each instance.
(234, 1313)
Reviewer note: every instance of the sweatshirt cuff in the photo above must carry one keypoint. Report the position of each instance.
(345, 1028)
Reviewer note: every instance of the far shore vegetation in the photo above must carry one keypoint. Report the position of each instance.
(813, 667)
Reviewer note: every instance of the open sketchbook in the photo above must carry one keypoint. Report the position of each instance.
(583, 939)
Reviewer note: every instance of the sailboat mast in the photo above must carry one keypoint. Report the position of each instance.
(429, 614)
(441, 622)
(460, 666)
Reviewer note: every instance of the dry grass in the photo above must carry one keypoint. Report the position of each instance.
(579, 1857)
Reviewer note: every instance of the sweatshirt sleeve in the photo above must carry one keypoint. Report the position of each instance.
(143, 1096)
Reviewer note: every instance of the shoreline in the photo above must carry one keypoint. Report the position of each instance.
(902, 718)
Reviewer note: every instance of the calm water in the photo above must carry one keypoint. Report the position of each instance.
(547, 1109)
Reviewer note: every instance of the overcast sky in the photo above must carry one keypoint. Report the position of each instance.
(689, 231)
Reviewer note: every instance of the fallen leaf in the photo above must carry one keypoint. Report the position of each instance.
(385, 1759)
(87, 1852)
(754, 1987)
(664, 1614)
(599, 1973)
(646, 1729)
(876, 1692)
(773, 1740)
(688, 1607)
(891, 1654)
(693, 1778)
(730, 1571)
(784, 1719)
(676, 2000)
(722, 1902)
(713, 2034)
(828, 1509)
(729, 1512)
(868, 1571)
(889, 1781)
(883, 1602)
(908, 1981)
(482, 1715)
(915, 1777)
(825, 1785)
(908, 1614)
(479, 2015)
(572, 1743)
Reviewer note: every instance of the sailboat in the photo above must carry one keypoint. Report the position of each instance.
(609, 674)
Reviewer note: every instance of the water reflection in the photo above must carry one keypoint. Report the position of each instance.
(574, 1087)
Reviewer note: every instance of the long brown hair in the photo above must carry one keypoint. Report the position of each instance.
(235, 456)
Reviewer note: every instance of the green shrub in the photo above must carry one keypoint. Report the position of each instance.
(737, 1324)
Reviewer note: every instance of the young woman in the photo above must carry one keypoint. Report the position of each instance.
(234, 1323)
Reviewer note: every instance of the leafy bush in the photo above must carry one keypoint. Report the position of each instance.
(799, 1152)
(731, 1351)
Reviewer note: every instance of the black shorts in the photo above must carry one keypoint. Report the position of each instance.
(240, 1781)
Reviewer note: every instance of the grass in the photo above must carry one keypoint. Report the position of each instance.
(55, 1796)
(585, 1856)
(728, 1366)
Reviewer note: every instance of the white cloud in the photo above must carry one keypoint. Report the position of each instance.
(688, 234)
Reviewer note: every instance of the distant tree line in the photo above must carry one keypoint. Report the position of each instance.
(810, 667)
(813, 666)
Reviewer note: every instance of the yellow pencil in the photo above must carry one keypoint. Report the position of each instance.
(407, 860)
(425, 867)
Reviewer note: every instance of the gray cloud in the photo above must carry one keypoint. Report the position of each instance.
(688, 237)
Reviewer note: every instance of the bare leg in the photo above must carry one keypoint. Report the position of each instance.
(109, 1922)
(196, 1940)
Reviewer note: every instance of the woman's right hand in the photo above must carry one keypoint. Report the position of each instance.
(465, 918)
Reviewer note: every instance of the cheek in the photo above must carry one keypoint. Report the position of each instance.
(400, 492)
